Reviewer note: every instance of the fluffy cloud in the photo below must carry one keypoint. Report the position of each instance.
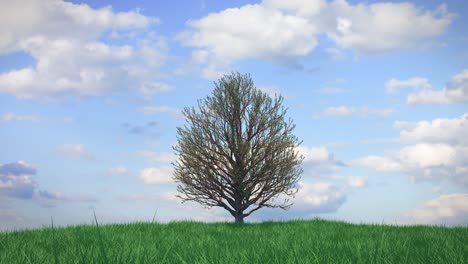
(251, 31)
(351, 110)
(16, 180)
(450, 131)
(282, 31)
(393, 85)
(382, 27)
(65, 39)
(456, 91)
(318, 161)
(450, 209)
(12, 117)
(162, 175)
(438, 151)
(74, 151)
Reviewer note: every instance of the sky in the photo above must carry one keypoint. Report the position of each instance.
(91, 94)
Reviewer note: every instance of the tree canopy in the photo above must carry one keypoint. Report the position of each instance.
(237, 150)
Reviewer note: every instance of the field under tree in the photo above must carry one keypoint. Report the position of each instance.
(297, 241)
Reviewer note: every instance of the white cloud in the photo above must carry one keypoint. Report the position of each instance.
(455, 92)
(118, 170)
(351, 110)
(16, 180)
(357, 181)
(393, 85)
(164, 157)
(438, 151)
(282, 31)
(74, 151)
(59, 19)
(150, 89)
(382, 27)
(71, 60)
(314, 153)
(444, 130)
(162, 175)
(450, 209)
(12, 117)
(149, 110)
(248, 32)
(379, 163)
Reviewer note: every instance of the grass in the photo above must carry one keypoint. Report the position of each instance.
(298, 241)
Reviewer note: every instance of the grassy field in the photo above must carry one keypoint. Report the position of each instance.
(299, 241)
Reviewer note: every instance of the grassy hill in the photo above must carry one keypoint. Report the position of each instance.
(298, 241)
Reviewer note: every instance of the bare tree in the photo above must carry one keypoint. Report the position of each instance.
(237, 151)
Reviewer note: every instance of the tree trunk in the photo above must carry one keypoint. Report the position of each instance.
(239, 218)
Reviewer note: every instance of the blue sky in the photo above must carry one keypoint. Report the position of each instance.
(91, 93)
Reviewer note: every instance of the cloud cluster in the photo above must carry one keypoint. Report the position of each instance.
(321, 190)
(454, 92)
(436, 150)
(73, 58)
(282, 31)
(450, 209)
(16, 180)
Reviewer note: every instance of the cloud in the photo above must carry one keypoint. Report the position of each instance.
(384, 27)
(150, 89)
(437, 151)
(164, 157)
(47, 198)
(248, 32)
(118, 170)
(393, 85)
(162, 175)
(449, 209)
(74, 151)
(283, 31)
(12, 117)
(303, 8)
(270, 90)
(450, 131)
(16, 180)
(149, 110)
(67, 42)
(351, 110)
(455, 92)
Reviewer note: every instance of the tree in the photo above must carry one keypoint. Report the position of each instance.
(237, 151)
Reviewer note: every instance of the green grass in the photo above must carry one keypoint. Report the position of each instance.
(298, 241)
